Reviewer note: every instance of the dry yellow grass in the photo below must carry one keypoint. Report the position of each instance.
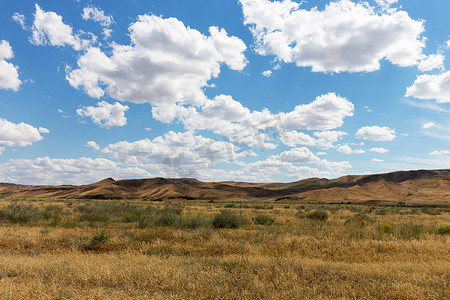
(295, 258)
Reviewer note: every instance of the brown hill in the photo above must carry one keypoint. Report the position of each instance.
(421, 186)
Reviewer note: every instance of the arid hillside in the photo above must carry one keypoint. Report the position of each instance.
(421, 186)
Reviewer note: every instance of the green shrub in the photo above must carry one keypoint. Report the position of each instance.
(410, 231)
(227, 219)
(320, 215)
(264, 220)
(20, 213)
(300, 215)
(97, 240)
(358, 217)
(442, 229)
(386, 228)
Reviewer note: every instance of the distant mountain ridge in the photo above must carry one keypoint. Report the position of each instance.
(420, 186)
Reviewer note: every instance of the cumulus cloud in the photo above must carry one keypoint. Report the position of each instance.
(325, 112)
(299, 156)
(166, 63)
(9, 77)
(324, 140)
(376, 160)
(183, 151)
(18, 135)
(428, 125)
(49, 29)
(343, 37)
(43, 130)
(376, 133)
(45, 170)
(94, 145)
(267, 73)
(105, 114)
(433, 61)
(435, 87)
(19, 19)
(98, 15)
(346, 149)
(379, 150)
(440, 152)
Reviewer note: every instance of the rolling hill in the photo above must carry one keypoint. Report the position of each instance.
(420, 186)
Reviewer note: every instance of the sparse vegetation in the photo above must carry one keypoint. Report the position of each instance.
(119, 249)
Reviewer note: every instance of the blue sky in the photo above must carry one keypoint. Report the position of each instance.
(248, 90)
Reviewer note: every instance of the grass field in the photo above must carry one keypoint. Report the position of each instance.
(222, 250)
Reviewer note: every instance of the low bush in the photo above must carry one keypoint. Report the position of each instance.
(319, 215)
(442, 229)
(264, 220)
(228, 219)
(358, 217)
(97, 240)
(386, 228)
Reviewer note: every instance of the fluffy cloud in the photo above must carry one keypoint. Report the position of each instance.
(166, 63)
(82, 170)
(299, 156)
(9, 78)
(379, 150)
(19, 19)
(184, 152)
(428, 125)
(346, 149)
(435, 87)
(325, 112)
(376, 133)
(18, 135)
(98, 15)
(105, 114)
(344, 37)
(433, 61)
(94, 145)
(441, 152)
(325, 139)
(49, 29)
(267, 73)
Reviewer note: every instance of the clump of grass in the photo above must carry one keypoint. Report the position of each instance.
(228, 219)
(319, 215)
(97, 241)
(442, 229)
(410, 231)
(386, 228)
(300, 215)
(358, 217)
(264, 220)
(20, 213)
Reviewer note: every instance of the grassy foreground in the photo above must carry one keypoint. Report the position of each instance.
(201, 250)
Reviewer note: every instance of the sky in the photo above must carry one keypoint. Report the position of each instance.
(242, 90)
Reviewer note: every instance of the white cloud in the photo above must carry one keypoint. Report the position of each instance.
(97, 15)
(376, 133)
(43, 130)
(92, 144)
(346, 149)
(267, 73)
(49, 29)
(185, 152)
(428, 125)
(9, 77)
(325, 139)
(19, 19)
(440, 152)
(376, 160)
(368, 109)
(18, 135)
(435, 87)
(299, 156)
(325, 112)
(105, 114)
(166, 63)
(379, 150)
(45, 170)
(433, 61)
(344, 37)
